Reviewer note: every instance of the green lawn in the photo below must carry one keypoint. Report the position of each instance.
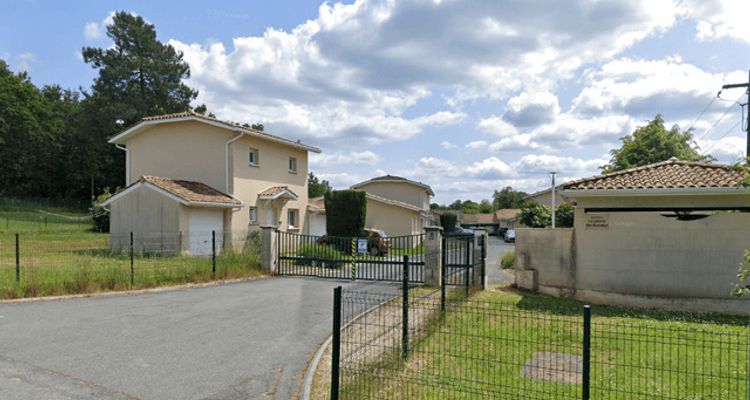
(60, 254)
(484, 344)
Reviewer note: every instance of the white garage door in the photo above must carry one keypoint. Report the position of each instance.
(317, 225)
(202, 222)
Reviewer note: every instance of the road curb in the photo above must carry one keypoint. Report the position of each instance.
(310, 373)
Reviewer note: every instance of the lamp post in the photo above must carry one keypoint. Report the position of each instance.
(552, 202)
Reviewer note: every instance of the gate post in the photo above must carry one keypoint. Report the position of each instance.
(433, 255)
(268, 248)
(480, 258)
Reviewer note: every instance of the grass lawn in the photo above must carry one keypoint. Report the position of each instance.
(60, 254)
(488, 348)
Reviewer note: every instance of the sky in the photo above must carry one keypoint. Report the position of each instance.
(467, 96)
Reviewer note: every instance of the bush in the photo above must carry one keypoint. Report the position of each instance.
(564, 216)
(535, 215)
(448, 222)
(321, 251)
(346, 211)
(99, 214)
(508, 261)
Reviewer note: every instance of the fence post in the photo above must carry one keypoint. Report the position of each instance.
(586, 352)
(213, 254)
(442, 283)
(468, 265)
(132, 264)
(270, 248)
(18, 258)
(405, 310)
(336, 344)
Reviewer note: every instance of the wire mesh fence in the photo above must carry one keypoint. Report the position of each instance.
(479, 348)
(60, 263)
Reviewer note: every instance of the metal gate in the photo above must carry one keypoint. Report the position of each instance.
(363, 258)
(463, 256)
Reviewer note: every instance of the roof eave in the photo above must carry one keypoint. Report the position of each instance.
(654, 192)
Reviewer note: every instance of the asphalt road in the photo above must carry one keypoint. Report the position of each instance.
(495, 250)
(248, 340)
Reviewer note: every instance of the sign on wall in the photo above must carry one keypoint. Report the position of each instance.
(361, 246)
(597, 221)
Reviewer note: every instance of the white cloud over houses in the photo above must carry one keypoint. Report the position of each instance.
(96, 29)
(344, 158)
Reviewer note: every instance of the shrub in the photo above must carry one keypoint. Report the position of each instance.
(508, 261)
(535, 215)
(346, 211)
(99, 214)
(448, 222)
(315, 250)
(564, 215)
(742, 288)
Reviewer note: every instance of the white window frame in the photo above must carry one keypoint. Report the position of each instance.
(253, 215)
(253, 151)
(292, 165)
(292, 214)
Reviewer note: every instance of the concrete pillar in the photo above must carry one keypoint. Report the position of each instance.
(433, 255)
(480, 258)
(269, 255)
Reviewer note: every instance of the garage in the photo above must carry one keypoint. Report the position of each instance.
(169, 216)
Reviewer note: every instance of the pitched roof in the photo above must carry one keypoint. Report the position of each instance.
(277, 191)
(507, 214)
(189, 193)
(190, 190)
(394, 178)
(478, 219)
(670, 174)
(193, 116)
(396, 203)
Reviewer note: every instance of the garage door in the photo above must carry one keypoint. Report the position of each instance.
(202, 222)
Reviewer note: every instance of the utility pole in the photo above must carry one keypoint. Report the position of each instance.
(553, 173)
(745, 85)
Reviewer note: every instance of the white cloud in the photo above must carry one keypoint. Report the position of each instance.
(496, 126)
(24, 60)
(447, 145)
(490, 168)
(355, 69)
(344, 158)
(719, 19)
(96, 30)
(529, 110)
(727, 149)
(477, 145)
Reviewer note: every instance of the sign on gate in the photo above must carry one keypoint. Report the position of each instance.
(362, 246)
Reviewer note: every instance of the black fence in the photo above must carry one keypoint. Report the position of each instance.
(419, 345)
(364, 258)
(463, 256)
(59, 263)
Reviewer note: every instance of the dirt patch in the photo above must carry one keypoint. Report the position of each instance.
(554, 367)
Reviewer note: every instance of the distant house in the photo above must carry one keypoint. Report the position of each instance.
(545, 196)
(495, 223)
(189, 175)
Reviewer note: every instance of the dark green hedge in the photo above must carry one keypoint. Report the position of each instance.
(448, 222)
(346, 211)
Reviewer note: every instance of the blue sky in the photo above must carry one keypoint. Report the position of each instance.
(468, 96)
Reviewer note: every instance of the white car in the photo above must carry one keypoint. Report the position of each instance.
(510, 236)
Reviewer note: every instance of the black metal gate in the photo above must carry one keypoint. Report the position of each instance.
(364, 258)
(463, 256)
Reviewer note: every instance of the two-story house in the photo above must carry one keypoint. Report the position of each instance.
(188, 175)
(397, 205)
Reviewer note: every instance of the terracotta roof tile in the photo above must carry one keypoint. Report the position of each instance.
(190, 191)
(274, 190)
(507, 214)
(670, 174)
(478, 219)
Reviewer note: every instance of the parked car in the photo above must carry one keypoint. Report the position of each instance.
(464, 231)
(510, 236)
(378, 244)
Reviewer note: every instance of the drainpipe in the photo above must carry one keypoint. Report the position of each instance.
(226, 160)
(127, 163)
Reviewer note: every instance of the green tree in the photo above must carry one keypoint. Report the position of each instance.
(346, 211)
(469, 207)
(486, 207)
(137, 76)
(564, 216)
(653, 143)
(535, 215)
(456, 205)
(508, 198)
(316, 187)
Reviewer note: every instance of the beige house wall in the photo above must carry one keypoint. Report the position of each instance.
(186, 150)
(393, 220)
(149, 215)
(545, 198)
(401, 191)
(272, 170)
(550, 252)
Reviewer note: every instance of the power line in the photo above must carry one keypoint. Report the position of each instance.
(704, 111)
(723, 136)
(721, 118)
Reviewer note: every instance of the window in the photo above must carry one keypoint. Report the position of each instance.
(252, 157)
(253, 215)
(292, 165)
(292, 221)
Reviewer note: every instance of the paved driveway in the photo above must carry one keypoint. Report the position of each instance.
(495, 250)
(248, 340)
